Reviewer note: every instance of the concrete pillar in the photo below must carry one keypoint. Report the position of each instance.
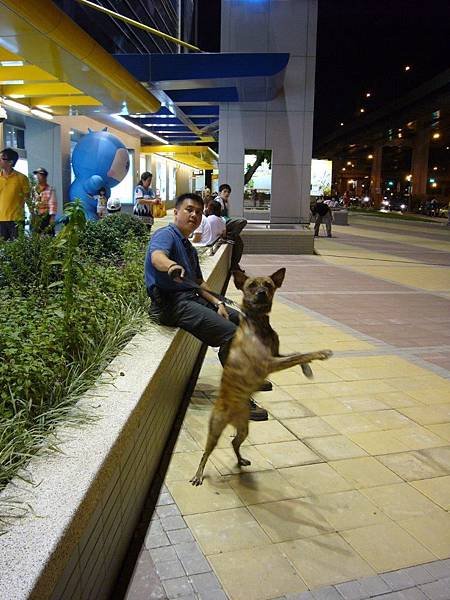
(376, 192)
(283, 125)
(419, 162)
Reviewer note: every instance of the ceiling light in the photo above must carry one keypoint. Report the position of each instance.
(13, 81)
(41, 114)
(16, 105)
(138, 128)
(11, 63)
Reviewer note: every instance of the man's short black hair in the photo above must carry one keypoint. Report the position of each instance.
(224, 186)
(214, 208)
(10, 155)
(195, 197)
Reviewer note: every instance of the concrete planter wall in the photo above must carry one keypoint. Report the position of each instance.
(90, 496)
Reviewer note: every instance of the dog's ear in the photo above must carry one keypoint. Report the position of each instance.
(239, 279)
(278, 277)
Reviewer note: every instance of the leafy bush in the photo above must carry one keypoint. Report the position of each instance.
(106, 238)
(66, 308)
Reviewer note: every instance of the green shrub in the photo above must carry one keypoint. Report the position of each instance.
(67, 306)
(106, 238)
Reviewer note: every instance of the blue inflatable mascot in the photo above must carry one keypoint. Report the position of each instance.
(98, 160)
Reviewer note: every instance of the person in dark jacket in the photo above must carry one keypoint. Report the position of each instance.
(323, 215)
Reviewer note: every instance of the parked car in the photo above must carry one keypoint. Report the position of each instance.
(396, 203)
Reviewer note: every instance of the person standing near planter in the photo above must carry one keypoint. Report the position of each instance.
(14, 192)
(144, 199)
(44, 204)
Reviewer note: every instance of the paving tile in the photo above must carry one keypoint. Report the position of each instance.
(213, 595)
(156, 540)
(288, 454)
(399, 580)
(205, 582)
(326, 593)
(325, 560)
(164, 498)
(412, 594)
(412, 465)
(291, 519)
(335, 447)
(349, 510)
(400, 501)
(171, 523)
(181, 586)
(386, 546)
(441, 456)
(250, 575)
(432, 531)
(224, 459)
(267, 432)
(184, 464)
(169, 569)
(437, 489)
(227, 530)
(287, 410)
(168, 510)
(439, 568)
(307, 427)
(266, 486)
(214, 494)
(360, 589)
(364, 472)
(163, 553)
(378, 442)
(180, 536)
(301, 596)
(311, 480)
(419, 574)
(437, 590)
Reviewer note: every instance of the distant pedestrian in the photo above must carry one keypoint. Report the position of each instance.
(144, 199)
(323, 214)
(14, 192)
(102, 203)
(44, 205)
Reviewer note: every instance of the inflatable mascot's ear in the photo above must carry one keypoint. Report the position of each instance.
(99, 159)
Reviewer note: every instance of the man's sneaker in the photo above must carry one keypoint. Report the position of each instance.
(266, 386)
(257, 413)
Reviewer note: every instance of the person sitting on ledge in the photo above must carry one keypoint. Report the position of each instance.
(212, 227)
(178, 292)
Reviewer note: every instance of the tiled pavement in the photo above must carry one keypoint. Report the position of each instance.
(349, 489)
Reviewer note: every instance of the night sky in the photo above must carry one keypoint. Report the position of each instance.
(364, 45)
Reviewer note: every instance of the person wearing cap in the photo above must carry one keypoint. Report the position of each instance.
(14, 192)
(44, 204)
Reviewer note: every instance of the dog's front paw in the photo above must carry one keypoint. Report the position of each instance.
(243, 462)
(196, 480)
(324, 354)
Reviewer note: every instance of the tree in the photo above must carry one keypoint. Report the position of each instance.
(261, 156)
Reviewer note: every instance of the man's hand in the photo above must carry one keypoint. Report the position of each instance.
(176, 272)
(222, 311)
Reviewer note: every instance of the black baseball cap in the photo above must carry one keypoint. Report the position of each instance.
(41, 170)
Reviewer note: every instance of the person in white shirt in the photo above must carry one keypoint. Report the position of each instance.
(212, 226)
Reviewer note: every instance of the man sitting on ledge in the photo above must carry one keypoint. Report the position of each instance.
(171, 268)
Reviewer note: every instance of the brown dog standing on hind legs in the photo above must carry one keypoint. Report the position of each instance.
(254, 354)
